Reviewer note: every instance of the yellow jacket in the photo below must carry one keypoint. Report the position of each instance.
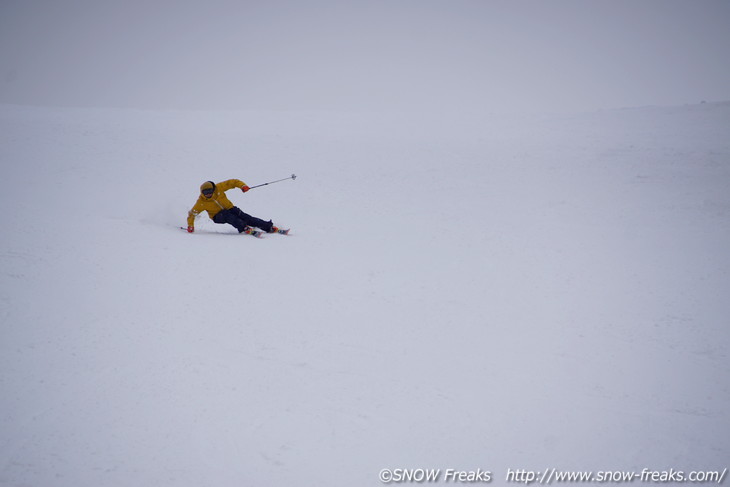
(215, 203)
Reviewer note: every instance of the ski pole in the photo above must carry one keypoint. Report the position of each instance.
(293, 176)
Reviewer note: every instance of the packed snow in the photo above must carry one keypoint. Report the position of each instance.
(465, 292)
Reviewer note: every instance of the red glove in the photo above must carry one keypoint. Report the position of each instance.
(245, 188)
(191, 229)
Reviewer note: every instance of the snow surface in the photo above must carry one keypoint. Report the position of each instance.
(458, 292)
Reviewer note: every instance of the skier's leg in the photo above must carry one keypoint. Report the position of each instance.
(252, 221)
(232, 218)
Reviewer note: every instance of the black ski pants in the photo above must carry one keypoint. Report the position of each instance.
(241, 220)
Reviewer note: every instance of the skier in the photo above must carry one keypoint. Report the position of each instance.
(213, 200)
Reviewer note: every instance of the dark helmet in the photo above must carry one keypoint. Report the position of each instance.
(207, 188)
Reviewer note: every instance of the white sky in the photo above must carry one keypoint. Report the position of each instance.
(300, 54)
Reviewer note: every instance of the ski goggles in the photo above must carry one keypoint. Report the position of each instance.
(208, 192)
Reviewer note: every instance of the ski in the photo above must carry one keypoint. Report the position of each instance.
(282, 231)
(254, 233)
(249, 231)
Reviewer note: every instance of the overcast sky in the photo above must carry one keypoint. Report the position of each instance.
(323, 54)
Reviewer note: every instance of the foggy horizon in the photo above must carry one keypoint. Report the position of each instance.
(462, 55)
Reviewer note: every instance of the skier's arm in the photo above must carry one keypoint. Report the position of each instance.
(193, 213)
(233, 183)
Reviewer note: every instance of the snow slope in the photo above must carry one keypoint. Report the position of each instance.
(458, 292)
